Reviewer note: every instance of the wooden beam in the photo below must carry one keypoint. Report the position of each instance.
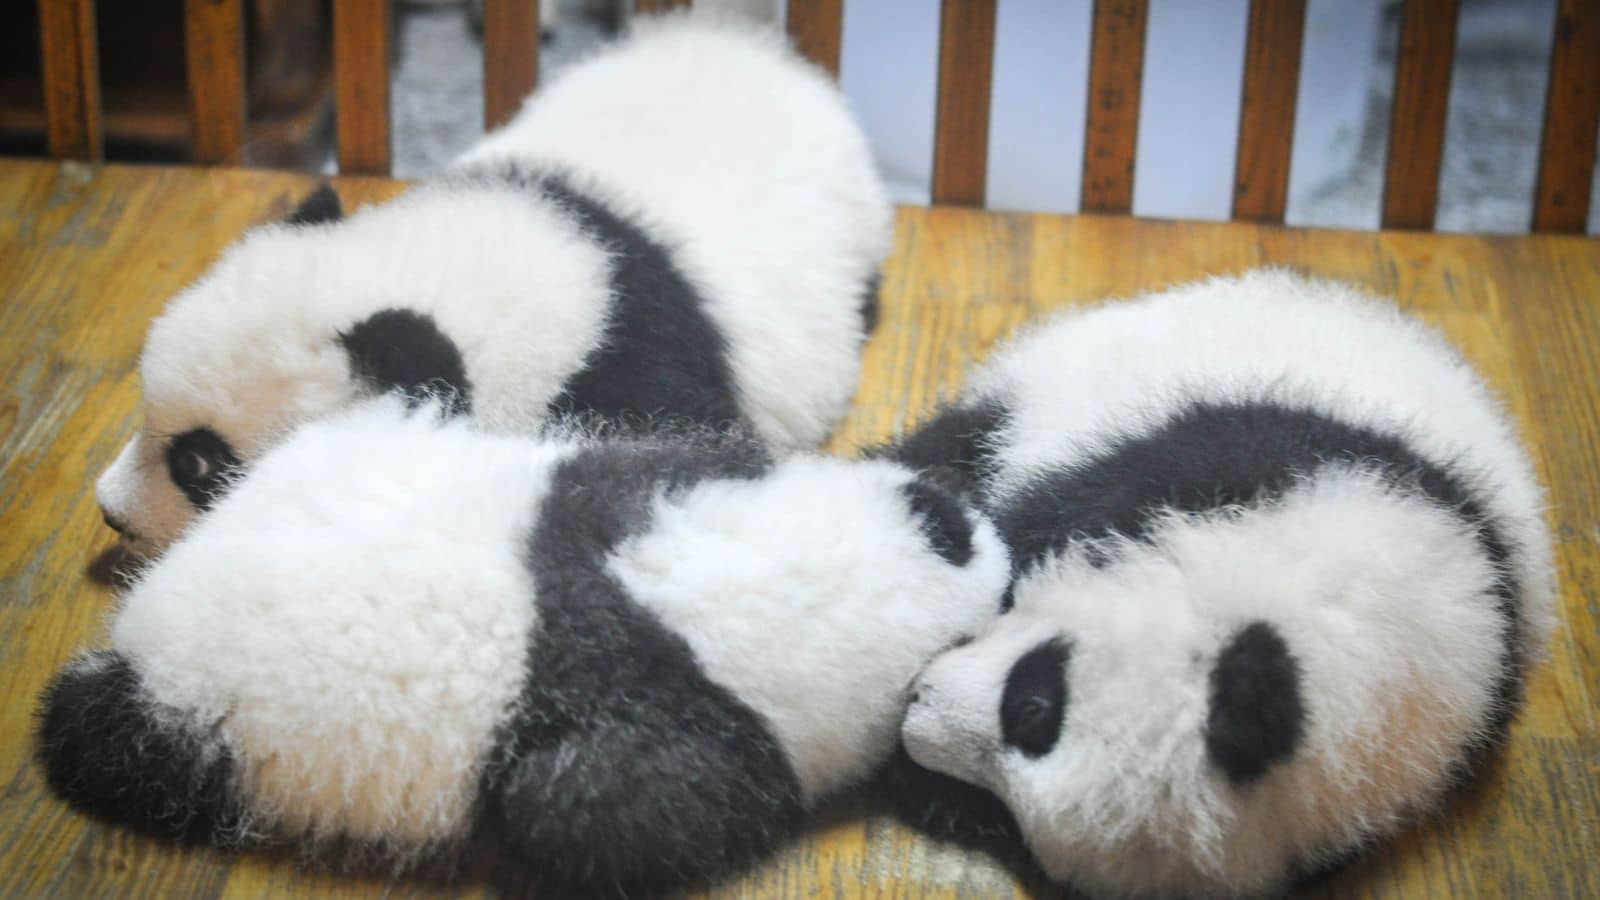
(1266, 109)
(362, 32)
(214, 56)
(817, 29)
(71, 79)
(657, 6)
(1116, 73)
(1421, 100)
(510, 57)
(961, 128)
(1571, 115)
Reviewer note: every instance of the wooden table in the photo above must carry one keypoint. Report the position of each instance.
(88, 255)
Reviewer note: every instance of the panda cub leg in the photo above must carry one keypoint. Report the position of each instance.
(111, 750)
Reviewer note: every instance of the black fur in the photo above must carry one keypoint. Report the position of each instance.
(111, 752)
(1212, 455)
(626, 770)
(662, 357)
(944, 522)
(957, 442)
(404, 350)
(1256, 716)
(1034, 701)
(320, 206)
(202, 465)
(944, 807)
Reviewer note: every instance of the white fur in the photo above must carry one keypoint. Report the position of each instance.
(1385, 600)
(730, 148)
(768, 581)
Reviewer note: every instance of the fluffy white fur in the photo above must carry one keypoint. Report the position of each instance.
(352, 622)
(728, 146)
(1385, 600)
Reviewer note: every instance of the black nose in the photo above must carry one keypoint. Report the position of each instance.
(114, 523)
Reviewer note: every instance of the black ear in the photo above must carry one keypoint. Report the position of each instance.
(321, 205)
(1256, 717)
(957, 441)
(403, 350)
(943, 520)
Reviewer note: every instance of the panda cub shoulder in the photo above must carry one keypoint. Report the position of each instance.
(633, 664)
(1279, 572)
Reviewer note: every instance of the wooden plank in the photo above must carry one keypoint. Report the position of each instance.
(1266, 109)
(510, 57)
(1417, 121)
(1116, 74)
(1571, 116)
(817, 29)
(71, 73)
(362, 33)
(214, 56)
(92, 254)
(961, 125)
(658, 6)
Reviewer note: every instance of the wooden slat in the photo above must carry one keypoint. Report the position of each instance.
(817, 28)
(1116, 72)
(1571, 115)
(1421, 99)
(961, 128)
(214, 55)
(361, 38)
(510, 57)
(1266, 109)
(655, 6)
(71, 73)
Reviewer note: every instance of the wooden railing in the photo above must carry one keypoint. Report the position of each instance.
(363, 33)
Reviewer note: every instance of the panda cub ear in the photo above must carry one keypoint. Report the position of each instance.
(943, 519)
(320, 206)
(1256, 716)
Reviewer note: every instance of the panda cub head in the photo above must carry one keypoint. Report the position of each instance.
(301, 318)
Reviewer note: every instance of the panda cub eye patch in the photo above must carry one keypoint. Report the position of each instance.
(1035, 699)
(200, 463)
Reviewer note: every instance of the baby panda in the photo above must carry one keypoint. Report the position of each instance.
(632, 664)
(686, 227)
(1280, 570)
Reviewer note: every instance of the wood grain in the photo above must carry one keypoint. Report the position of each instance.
(817, 29)
(961, 122)
(71, 79)
(1266, 109)
(510, 57)
(214, 59)
(362, 34)
(1417, 120)
(1571, 115)
(657, 6)
(89, 255)
(1116, 74)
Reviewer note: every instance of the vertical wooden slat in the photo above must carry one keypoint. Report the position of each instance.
(961, 128)
(1571, 115)
(1421, 99)
(817, 28)
(1111, 135)
(214, 54)
(655, 6)
(71, 73)
(361, 37)
(510, 57)
(1266, 109)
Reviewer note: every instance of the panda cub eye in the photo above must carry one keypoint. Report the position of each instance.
(200, 463)
(1035, 699)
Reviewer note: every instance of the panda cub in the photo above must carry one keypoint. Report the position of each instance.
(633, 663)
(1280, 570)
(687, 226)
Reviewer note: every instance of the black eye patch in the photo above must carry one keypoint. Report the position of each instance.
(201, 464)
(1035, 699)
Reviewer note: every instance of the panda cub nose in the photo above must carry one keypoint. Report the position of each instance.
(114, 523)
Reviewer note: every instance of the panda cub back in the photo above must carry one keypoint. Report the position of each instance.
(631, 662)
(1279, 573)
